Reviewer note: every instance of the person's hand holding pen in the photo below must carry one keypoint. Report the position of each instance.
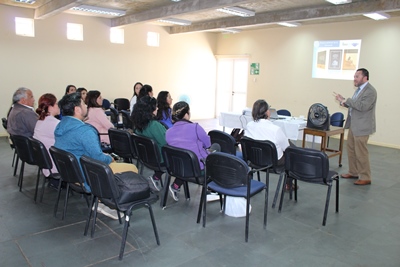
(339, 98)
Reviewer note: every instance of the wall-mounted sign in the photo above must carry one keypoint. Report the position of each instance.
(254, 68)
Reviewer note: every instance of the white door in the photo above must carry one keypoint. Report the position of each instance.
(232, 75)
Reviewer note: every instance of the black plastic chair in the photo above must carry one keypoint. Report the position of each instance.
(231, 176)
(226, 141)
(71, 173)
(15, 156)
(148, 154)
(311, 166)
(103, 185)
(183, 164)
(126, 119)
(25, 154)
(114, 117)
(284, 112)
(43, 161)
(122, 145)
(121, 104)
(106, 104)
(263, 155)
(336, 119)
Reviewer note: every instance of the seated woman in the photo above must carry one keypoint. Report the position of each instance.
(145, 124)
(188, 135)
(136, 90)
(164, 101)
(44, 129)
(96, 116)
(146, 90)
(83, 92)
(263, 129)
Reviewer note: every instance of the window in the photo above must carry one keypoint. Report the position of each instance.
(75, 31)
(24, 27)
(153, 39)
(117, 36)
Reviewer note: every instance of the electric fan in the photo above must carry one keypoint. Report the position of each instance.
(318, 117)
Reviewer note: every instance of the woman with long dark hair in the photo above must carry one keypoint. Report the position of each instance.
(145, 124)
(136, 90)
(96, 116)
(146, 90)
(44, 130)
(164, 101)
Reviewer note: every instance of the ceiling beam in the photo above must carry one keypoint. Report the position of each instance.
(298, 15)
(55, 7)
(174, 9)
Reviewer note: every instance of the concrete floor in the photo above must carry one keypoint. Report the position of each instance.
(365, 232)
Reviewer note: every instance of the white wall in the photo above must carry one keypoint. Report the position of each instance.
(285, 57)
(47, 63)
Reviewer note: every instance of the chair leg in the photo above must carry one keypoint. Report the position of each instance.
(278, 188)
(266, 208)
(282, 193)
(94, 203)
(43, 186)
(21, 175)
(163, 201)
(246, 238)
(15, 154)
(186, 188)
(200, 206)
(295, 189)
(328, 196)
(337, 194)
(258, 176)
(124, 234)
(16, 166)
(58, 198)
(153, 221)
(65, 202)
(37, 184)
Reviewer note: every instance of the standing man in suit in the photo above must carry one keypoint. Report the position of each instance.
(361, 123)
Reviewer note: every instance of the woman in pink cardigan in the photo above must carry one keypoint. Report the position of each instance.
(96, 116)
(44, 129)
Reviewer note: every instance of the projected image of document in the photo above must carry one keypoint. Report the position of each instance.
(335, 59)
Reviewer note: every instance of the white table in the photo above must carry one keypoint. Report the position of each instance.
(292, 127)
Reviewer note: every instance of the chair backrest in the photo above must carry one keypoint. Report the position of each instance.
(4, 122)
(122, 143)
(226, 141)
(226, 170)
(23, 148)
(106, 104)
(337, 119)
(259, 154)
(284, 112)
(306, 164)
(181, 163)
(40, 154)
(113, 115)
(147, 152)
(100, 178)
(126, 119)
(121, 104)
(67, 166)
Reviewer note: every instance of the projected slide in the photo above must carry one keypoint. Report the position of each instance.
(335, 59)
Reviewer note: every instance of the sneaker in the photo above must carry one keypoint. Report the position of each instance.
(156, 183)
(212, 197)
(174, 192)
(113, 214)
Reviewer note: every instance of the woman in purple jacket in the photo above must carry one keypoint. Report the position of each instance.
(187, 135)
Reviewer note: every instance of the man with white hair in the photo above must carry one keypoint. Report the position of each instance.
(22, 117)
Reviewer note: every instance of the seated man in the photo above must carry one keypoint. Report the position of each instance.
(22, 118)
(79, 138)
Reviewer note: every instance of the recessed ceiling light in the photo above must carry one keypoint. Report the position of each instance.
(289, 24)
(25, 1)
(377, 15)
(99, 10)
(339, 2)
(231, 30)
(181, 22)
(237, 11)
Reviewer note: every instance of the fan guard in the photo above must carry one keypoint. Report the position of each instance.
(318, 117)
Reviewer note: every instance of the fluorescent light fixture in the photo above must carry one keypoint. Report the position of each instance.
(237, 11)
(377, 15)
(231, 30)
(339, 2)
(289, 24)
(175, 0)
(181, 22)
(25, 1)
(99, 10)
